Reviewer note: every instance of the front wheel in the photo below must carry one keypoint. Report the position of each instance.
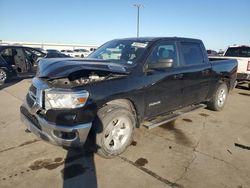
(3, 76)
(218, 101)
(117, 124)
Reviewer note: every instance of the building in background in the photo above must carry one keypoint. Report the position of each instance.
(45, 46)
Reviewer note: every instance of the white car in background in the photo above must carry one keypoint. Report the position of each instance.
(81, 53)
(242, 54)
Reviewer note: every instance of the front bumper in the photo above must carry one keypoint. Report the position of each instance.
(69, 136)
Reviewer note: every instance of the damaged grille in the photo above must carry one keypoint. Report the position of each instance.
(30, 117)
(33, 89)
(31, 96)
(30, 101)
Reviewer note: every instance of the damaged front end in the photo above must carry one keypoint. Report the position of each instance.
(69, 73)
(54, 109)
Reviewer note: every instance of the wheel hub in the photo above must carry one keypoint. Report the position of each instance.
(117, 133)
(3, 75)
(221, 97)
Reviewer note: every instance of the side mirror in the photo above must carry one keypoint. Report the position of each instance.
(161, 64)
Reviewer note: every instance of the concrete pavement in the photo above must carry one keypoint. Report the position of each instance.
(198, 150)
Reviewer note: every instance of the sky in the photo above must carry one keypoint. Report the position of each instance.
(218, 23)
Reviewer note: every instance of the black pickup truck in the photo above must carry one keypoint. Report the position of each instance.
(124, 84)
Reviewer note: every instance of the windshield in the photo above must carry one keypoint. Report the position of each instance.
(123, 52)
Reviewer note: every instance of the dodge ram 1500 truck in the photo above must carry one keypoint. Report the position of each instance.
(125, 83)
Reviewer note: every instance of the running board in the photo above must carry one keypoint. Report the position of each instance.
(163, 119)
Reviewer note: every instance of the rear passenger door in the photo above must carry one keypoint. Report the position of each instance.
(197, 72)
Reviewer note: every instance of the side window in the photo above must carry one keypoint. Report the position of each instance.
(164, 50)
(192, 53)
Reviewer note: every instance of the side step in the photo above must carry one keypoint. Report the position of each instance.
(163, 119)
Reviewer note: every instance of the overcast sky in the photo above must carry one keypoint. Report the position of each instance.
(218, 23)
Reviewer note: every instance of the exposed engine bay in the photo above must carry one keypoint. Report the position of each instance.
(84, 77)
(91, 78)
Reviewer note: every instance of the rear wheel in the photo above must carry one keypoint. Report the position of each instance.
(117, 125)
(3, 76)
(218, 101)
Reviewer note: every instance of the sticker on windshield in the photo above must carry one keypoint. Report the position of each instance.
(139, 44)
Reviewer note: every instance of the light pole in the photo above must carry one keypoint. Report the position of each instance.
(138, 6)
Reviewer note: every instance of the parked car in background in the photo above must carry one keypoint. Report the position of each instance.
(221, 53)
(21, 61)
(212, 53)
(68, 52)
(242, 54)
(124, 84)
(81, 53)
(51, 53)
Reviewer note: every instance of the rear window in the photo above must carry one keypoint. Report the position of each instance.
(238, 52)
(192, 53)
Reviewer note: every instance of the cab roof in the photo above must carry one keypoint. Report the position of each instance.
(152, 39)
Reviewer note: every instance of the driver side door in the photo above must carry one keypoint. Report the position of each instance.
(166, 89)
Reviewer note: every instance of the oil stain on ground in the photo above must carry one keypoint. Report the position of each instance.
(187, 120)
(133, 143)
(73, 171)
(245, 94)
(48, 164)
(51, 164)
(141, 162)
(204, 115)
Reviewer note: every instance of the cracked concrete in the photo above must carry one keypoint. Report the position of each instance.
(197, 150)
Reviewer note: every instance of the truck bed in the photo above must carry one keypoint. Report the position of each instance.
(226, 67)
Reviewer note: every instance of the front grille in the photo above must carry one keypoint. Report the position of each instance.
(33, 89)
(30, 117)
(29, 100)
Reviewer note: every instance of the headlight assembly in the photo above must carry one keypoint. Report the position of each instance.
(65, 99)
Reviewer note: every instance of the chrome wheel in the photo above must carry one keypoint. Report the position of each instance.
(117, 133)
(221, 97)
(3, 76)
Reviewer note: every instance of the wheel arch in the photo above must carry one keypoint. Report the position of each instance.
(129, 104)
(225, 80)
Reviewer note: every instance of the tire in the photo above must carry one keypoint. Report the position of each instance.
(219, 99)
(3, 76)
(249, 86)
(82, 56)
(116, 129)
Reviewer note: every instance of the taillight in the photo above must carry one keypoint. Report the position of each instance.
(248, 66)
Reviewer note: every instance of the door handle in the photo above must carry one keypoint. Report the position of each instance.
(178, 76)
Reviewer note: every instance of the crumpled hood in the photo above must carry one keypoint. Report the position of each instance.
(63, 67)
